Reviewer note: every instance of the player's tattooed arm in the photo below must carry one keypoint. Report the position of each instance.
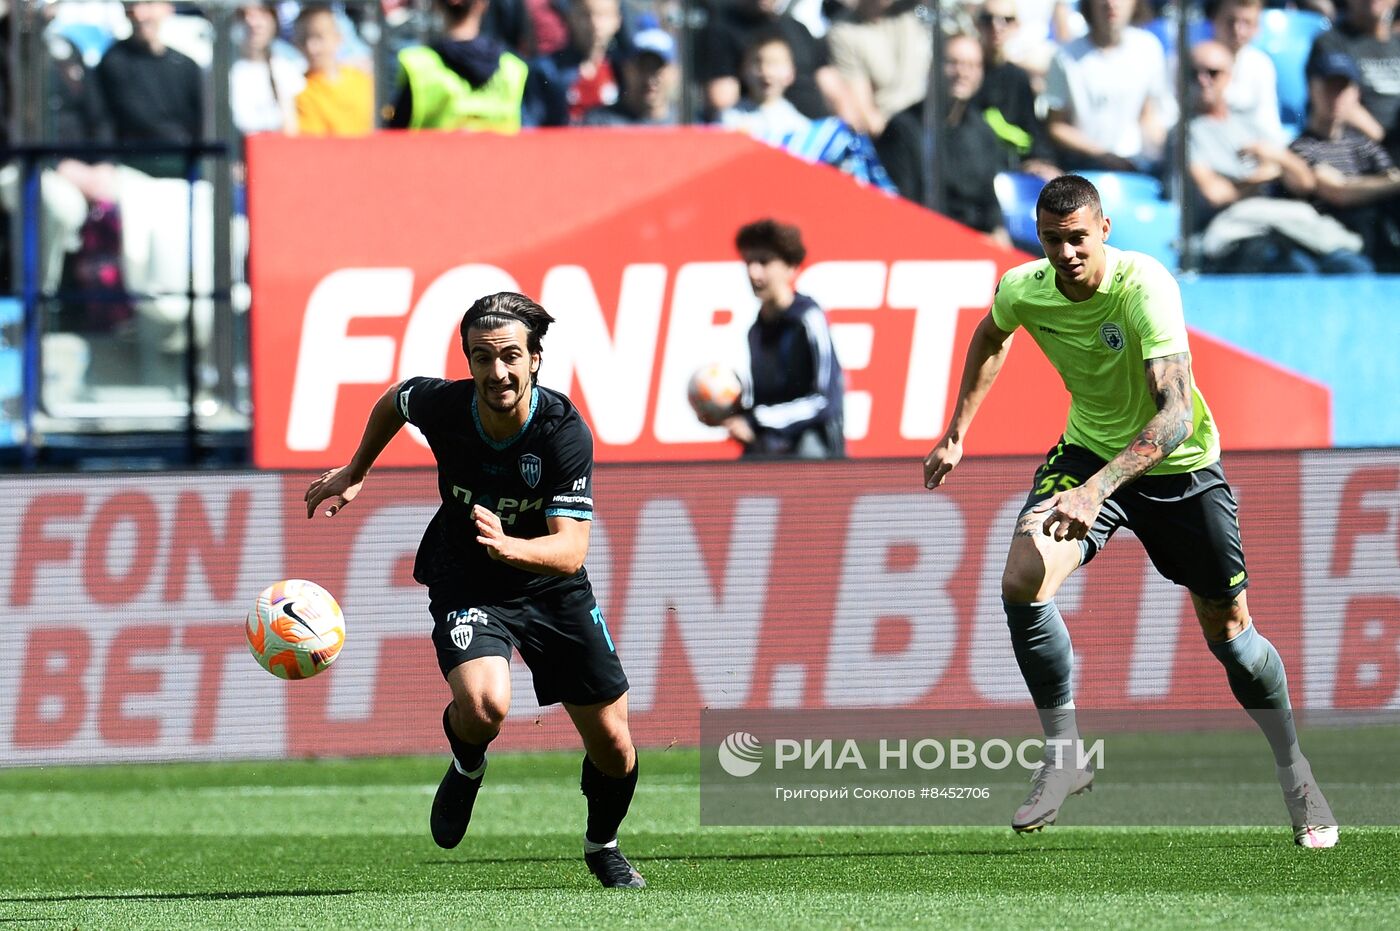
(1169, 382)
(1070, 514)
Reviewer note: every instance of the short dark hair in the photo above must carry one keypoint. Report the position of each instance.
(504, 308)
(456, 10)
(310, 11)
(1066, 194)
(1213, 7)
(769, 237)
(1142, 12)
(765, 37)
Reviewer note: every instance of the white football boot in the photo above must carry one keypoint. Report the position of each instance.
(1314, 825)
(1050, 786)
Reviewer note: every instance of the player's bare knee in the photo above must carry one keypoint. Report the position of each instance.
(1037, 565)
(1221, 619)
(615, 756)
(1023, 579)
(1021, 586)
(479, 716)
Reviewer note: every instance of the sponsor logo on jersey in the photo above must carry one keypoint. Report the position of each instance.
(531, 469)
(1112, 336)
(507, 509)
(403, 401)
(572, 499)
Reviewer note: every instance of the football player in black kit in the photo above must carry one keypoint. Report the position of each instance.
(503, 563)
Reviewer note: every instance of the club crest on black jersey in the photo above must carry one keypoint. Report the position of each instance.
(545, 470)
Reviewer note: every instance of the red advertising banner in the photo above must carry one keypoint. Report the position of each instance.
(725, 585)
(361, 278)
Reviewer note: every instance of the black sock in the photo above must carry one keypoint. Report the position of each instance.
(469, 756)
(608, 800)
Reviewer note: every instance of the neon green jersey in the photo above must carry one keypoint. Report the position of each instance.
(1099, 345)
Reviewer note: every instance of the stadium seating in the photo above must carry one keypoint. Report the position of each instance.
(11, 370)
(90, 40)
(1016, 193)
(1287, 36)
(1165, 31)
(1142, 220)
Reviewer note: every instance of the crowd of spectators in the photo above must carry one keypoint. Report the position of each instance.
(1035, 87)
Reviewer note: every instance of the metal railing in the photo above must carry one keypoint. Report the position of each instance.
(205, 400)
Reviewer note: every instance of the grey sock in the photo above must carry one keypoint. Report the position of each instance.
(1043, 651)
(1260, 684)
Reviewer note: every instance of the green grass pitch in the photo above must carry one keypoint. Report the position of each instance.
(344, 844)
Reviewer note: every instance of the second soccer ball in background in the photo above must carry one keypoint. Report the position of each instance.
(714, 392)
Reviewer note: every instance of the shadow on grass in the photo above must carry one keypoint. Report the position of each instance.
(1027, 851)
(194, 896)
(786, 855)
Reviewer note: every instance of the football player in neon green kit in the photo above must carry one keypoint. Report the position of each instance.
(1140, 450)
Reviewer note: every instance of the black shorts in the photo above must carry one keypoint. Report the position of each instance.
(560, 633)
(1188, 523)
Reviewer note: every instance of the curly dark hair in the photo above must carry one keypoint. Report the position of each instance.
(768, 237)
(1066, 194)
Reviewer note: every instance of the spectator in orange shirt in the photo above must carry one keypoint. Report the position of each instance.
(338, 99)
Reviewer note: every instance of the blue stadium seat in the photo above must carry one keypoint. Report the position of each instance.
(1287, 36)
(11, 370)
(1142, 220)
(1016, 193)
(89, 39)
(1117, 187)
(1164, 29)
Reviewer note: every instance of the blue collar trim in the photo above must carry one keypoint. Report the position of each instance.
(502, 444)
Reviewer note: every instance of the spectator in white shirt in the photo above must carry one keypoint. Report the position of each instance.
(764, 111)
(1253, 89)
(1106, 95)
(263, 87)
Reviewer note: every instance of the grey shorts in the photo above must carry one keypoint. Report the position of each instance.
(1188, 523)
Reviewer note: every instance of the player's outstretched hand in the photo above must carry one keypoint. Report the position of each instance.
(739, 429)
(1069, 514)
(489, 532)
(336, 487)
(941, 460)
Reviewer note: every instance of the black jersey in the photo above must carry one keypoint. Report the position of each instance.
(545, 470)
(795, 381)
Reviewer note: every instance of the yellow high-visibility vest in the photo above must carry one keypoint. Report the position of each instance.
(443, 99)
